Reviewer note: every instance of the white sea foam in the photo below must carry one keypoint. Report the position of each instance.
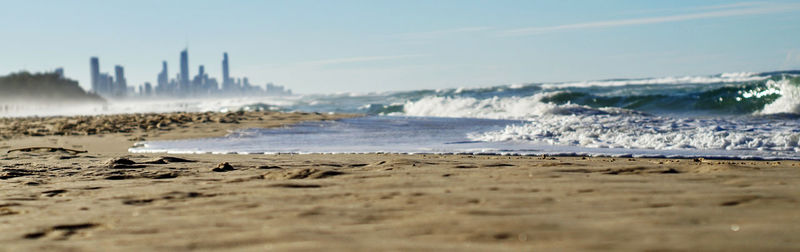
(788, 102)
(650, 132)
(738, 75)
(514, 108)
(517, 86)
(493, 108)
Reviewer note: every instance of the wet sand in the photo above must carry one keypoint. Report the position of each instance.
(61, 198)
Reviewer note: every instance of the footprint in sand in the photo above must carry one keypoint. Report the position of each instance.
(307, 173)
(53, 193)
(288, 185)
(740, 200)
(60, 231)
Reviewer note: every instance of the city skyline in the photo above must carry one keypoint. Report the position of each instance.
(343, 46)
(183, 85)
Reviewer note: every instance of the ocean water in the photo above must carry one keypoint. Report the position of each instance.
(732, 115)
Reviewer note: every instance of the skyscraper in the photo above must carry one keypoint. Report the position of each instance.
(121, 85)
(163, 79)
(226, 77)
(198, 84)
(184, 80)
(104, 84)
(148, 89)
(95, 68)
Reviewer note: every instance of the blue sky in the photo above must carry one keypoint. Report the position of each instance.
(362, 46)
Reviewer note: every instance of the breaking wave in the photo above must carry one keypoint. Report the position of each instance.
(731, 115)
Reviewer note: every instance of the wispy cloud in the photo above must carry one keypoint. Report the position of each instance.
(741, 9)
(440, 33)
(729, 6)
(325, 62)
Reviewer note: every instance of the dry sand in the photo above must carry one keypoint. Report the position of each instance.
(106, 199)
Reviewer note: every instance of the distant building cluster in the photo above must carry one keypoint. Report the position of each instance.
(105, 85)
(182, 85)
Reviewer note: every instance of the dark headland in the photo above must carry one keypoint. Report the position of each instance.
(47, 88)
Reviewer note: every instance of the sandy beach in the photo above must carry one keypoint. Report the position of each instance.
(69, 184)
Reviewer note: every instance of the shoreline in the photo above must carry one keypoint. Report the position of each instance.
(114, 134)
(565, 155)
(55, 199)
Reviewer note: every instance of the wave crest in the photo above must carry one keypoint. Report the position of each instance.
(514, 108)
(789, 100)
